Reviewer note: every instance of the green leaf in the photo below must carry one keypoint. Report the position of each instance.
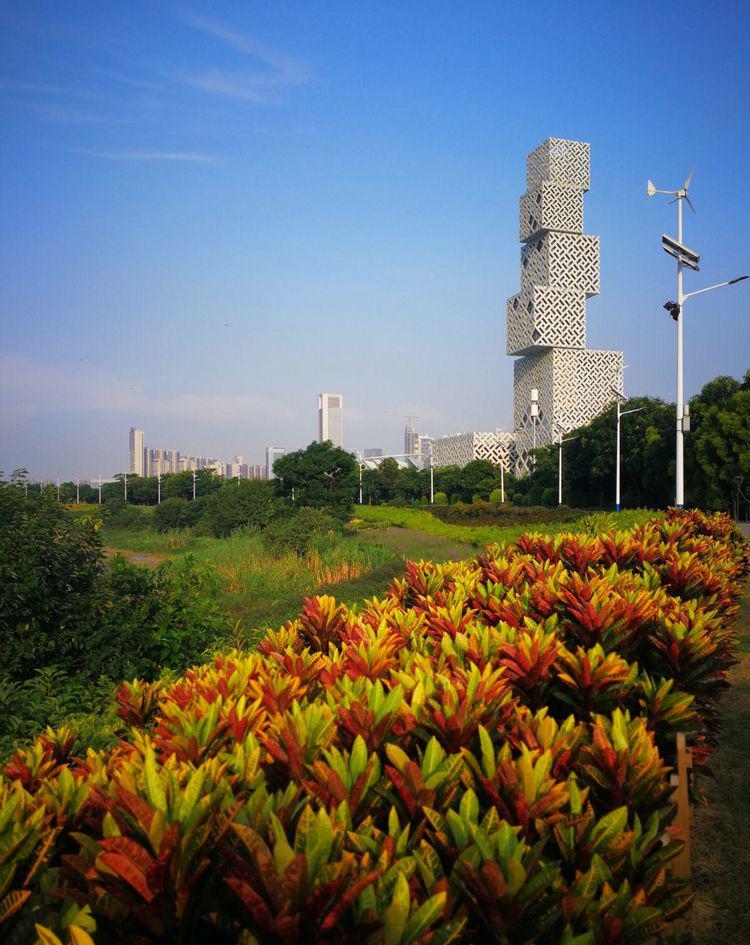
(433, 756)
(397, 913)
(154, 786)
(425, 916)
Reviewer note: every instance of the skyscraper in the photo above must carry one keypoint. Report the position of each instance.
(546, 321)
(330, 421)
(272, 454)
(411, 440)
(136, 451)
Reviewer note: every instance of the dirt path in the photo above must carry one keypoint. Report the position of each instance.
(149, 558)
(721, 854)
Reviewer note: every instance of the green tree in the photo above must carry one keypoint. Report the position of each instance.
(719, 442)
(249, 502)
(478, 478)
(322, 476)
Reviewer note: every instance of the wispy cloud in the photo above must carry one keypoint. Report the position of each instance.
(273, 74)
(190, 157)
(31, 387)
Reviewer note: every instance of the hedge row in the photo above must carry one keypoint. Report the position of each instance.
(480, 756)
(497, 513)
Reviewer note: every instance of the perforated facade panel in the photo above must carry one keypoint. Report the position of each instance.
(546, 321)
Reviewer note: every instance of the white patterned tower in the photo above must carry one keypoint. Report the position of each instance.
(546, 321)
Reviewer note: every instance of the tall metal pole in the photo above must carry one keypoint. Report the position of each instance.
(502, 483)
(432, 479)
(58, 490)
(559, 472)
(100, 488)
(158, 488)
(194, 483)
(125, 485)
(679, 464)
(78, 490)
(360, 482)
(617, 466)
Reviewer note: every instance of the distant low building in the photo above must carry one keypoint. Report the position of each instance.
(459, 449)
(272, 454)
(373, 453)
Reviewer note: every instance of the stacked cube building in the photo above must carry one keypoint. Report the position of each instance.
(546, 320)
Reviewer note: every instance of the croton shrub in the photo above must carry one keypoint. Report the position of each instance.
(482, 755)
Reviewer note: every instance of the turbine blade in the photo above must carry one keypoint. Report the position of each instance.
(690, 203)
(686, 185)
(673, 201)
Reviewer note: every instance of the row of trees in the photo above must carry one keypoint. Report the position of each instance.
(717, 454)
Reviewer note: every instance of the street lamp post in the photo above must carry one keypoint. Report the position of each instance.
(100, 488)
(360, 479)
(621, 399)
(78, 490)
(534, 411)
(125, 485)
(158, 488)
(194, 478)
(689, 258)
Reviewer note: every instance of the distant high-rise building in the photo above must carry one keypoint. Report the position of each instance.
(136, 452)
(330, 420)
(411, 440)
(272, 454)
(156, 463)
(172, 461)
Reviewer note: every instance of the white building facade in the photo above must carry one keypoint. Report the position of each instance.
(330, 419)
(137, 452)
(272, 454)
(459, 449)
(546, 320)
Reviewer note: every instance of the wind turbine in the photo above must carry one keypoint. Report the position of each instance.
(681, 194)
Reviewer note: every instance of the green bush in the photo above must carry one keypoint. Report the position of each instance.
(179, 513)
(496, 496)
(300, 531)
(49, 577)
(249, 502)
(440, 498)
(117, 513)
(69, 624)
(496, 513)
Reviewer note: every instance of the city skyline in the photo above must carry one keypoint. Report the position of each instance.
(196, 238)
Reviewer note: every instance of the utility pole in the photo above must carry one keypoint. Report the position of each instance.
(100, 488)
(194, 478)
(125, 485)
(78, 490)
(158, 488)
(360, 464)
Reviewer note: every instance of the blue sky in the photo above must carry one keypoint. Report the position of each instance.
(211, 212)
